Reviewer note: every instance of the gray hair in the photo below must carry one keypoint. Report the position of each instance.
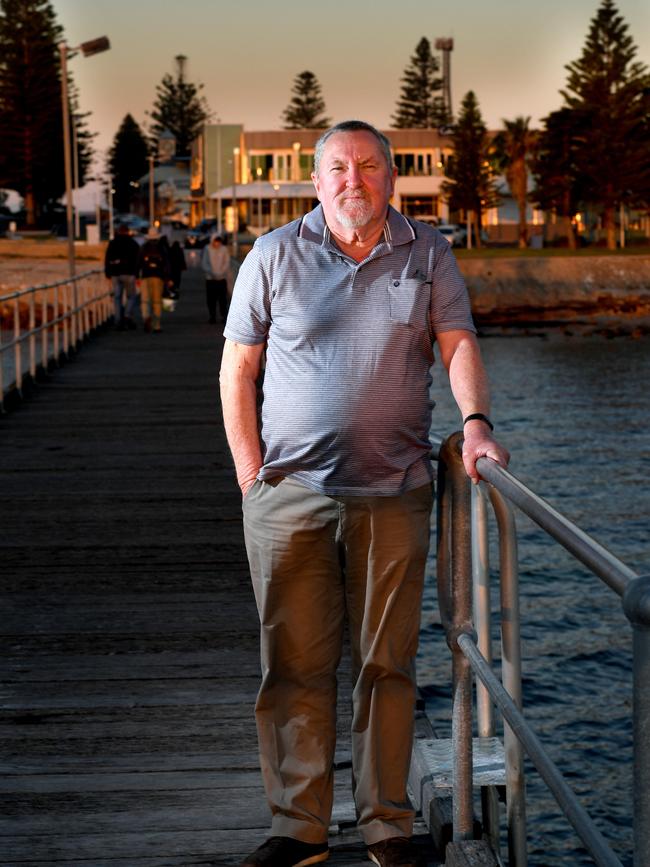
(352, 126)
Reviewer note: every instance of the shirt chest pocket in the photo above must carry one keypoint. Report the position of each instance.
(408, 301)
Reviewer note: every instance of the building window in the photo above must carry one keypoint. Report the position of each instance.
(421, 164)
(261, 161)
(423, 208)
(306, 166)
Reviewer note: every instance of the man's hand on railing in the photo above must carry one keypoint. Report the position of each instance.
(479, 443)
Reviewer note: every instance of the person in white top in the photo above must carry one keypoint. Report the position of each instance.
(215, 263)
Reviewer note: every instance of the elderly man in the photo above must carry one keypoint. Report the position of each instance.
(347, 302)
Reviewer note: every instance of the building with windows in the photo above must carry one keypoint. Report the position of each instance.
(266, 175)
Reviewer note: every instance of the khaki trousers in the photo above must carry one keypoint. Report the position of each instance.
(152, 293)
(312, 558)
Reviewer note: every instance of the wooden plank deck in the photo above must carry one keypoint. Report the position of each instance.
(129, 634)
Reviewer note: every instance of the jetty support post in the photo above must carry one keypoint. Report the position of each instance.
(636, 605)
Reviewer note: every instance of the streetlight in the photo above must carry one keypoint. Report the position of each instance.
(151, 193)
(75, 170)
(259, 196)
(219, 217)
(111, 225)
(95, 46)
(235, 208)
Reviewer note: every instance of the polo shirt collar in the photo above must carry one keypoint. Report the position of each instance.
(397, 229)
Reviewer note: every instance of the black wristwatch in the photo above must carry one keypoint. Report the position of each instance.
(478, 416)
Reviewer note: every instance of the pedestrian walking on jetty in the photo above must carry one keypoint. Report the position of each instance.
(337, 484)
(154, 274)
(215, 262)
(177, 265)
(120, 265)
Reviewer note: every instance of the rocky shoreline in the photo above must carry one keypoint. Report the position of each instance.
(578, 294)
(604, 294)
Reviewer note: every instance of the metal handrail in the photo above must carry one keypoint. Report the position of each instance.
(69, 310)
(456, 543)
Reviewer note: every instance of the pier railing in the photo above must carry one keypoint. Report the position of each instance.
(42, 325)
(464, 600)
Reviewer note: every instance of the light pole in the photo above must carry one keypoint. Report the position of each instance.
(75, 170)
(259, 197)
(111, 227)
(151, 193)
(219, 217)
(95, 46)
(235, 208)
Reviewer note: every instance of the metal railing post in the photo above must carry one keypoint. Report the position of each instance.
(636, 605)
(32, 337)
(511, 677)
(460, 596)
(18, 361)
(482, 606)
(55, 325)
(44, 329)
(2, 368)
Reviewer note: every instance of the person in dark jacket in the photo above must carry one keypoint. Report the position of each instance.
(153, 274)
(120, 264)
(177, 264)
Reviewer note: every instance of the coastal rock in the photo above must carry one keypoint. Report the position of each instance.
(602, 292)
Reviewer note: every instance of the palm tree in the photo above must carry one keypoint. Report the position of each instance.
(513, 149)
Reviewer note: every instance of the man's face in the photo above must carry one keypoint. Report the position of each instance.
(354, 183)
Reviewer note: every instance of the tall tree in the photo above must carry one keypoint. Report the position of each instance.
(513, 150)
(180, 108)
(611, 89)
(31, 126)
(307, 106)
(470, 186)
(421, 104)
(559, 184)
(127, 161)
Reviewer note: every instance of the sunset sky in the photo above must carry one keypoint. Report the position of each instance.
(510, 52)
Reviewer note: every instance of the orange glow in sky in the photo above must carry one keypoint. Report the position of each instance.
(510, 52)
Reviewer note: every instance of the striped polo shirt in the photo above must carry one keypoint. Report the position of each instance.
(346, 407)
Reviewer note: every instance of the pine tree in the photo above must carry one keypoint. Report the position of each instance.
(180, 108)
(513, 150)
(421, 104)
(470, 185)
(31, 131)
(611, 90)
(559, 185)
(305, 111)
(127, 162)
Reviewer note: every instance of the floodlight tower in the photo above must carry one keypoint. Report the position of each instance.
(446, 46)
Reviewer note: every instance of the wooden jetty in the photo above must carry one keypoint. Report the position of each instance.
(129, 632)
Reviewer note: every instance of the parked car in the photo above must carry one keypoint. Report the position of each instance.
(135, 224)
(198, 237)
(455, 234)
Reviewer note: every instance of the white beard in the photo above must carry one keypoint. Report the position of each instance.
(354, 213)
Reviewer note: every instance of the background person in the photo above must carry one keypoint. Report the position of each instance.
(177, 265)
(154, 274)
(215, 262)
(120, 264)
(337, 493)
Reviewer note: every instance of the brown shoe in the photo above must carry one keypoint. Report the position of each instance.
(286, 852)
(395, 852)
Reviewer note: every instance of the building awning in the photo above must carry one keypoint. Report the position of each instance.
(267, 190)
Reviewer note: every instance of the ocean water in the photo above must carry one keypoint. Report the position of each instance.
(574, 412)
